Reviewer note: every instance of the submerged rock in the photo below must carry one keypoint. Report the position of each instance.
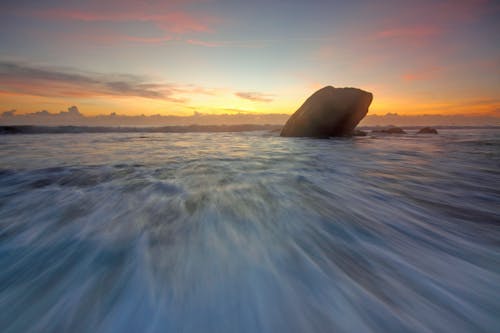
(357, 132)
(329, 112)
(390, 130)
(427, 130)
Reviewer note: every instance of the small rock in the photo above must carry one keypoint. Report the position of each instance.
(357, 132)
(427, 130)
(390, 130)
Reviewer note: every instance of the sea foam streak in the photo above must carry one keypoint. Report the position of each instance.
(249, 232)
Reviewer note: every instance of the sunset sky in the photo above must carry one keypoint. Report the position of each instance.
(179, 57)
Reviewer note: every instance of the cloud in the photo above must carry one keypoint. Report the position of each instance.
(73, 117)
(164, 18)
(427, 19)
(255, 96)
(24, 79)
(73, 110)
(119, 38)
(107, 37)
(250, 44)
(204, 43)
(71, 113)
(44, 117)
(28, 79)
(9, 113)
(409, 32)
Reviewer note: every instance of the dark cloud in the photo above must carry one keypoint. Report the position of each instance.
(27, 72)
(255, 96)
(74, 111)
(44, 81)
(9, 113)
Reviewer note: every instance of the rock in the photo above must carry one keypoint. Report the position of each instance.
(357, 132)
(427, 130)
(390, 130)
(10, 130)
(329, 112)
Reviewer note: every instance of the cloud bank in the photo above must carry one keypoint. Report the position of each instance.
(44, 81)
(73, 117)
(26, 79)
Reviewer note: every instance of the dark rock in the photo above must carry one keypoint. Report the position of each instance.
(427, 130)
(9, 130)
(390, 130)
(329, 112)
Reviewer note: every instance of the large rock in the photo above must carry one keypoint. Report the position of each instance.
(329, 112)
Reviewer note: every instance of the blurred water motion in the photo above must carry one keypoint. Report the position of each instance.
(250, 232)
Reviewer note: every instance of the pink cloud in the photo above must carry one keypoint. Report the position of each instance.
(458, 10)
(252, 44)
(417, 31)
(111, 38)
(425, 13)
(422, 22)
(146, 40)
(409, 32)
(179, 22)
(203, 43)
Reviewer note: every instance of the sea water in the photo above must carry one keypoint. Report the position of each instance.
(250, 232)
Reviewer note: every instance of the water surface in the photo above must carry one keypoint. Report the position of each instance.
(250, 232)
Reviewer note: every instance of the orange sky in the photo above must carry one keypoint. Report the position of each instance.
(134, 57)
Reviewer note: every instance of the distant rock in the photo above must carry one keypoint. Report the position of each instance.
(329, 112)
(390, 130)
(9, 130)
(427, 130)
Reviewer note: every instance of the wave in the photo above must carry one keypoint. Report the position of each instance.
(243, 232)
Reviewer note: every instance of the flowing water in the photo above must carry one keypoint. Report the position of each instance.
(250, 232)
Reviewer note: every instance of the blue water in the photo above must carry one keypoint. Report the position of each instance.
(250, 232)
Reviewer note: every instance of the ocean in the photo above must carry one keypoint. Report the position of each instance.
(250, 232)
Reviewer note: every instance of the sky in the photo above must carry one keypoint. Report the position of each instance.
(190, 57)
